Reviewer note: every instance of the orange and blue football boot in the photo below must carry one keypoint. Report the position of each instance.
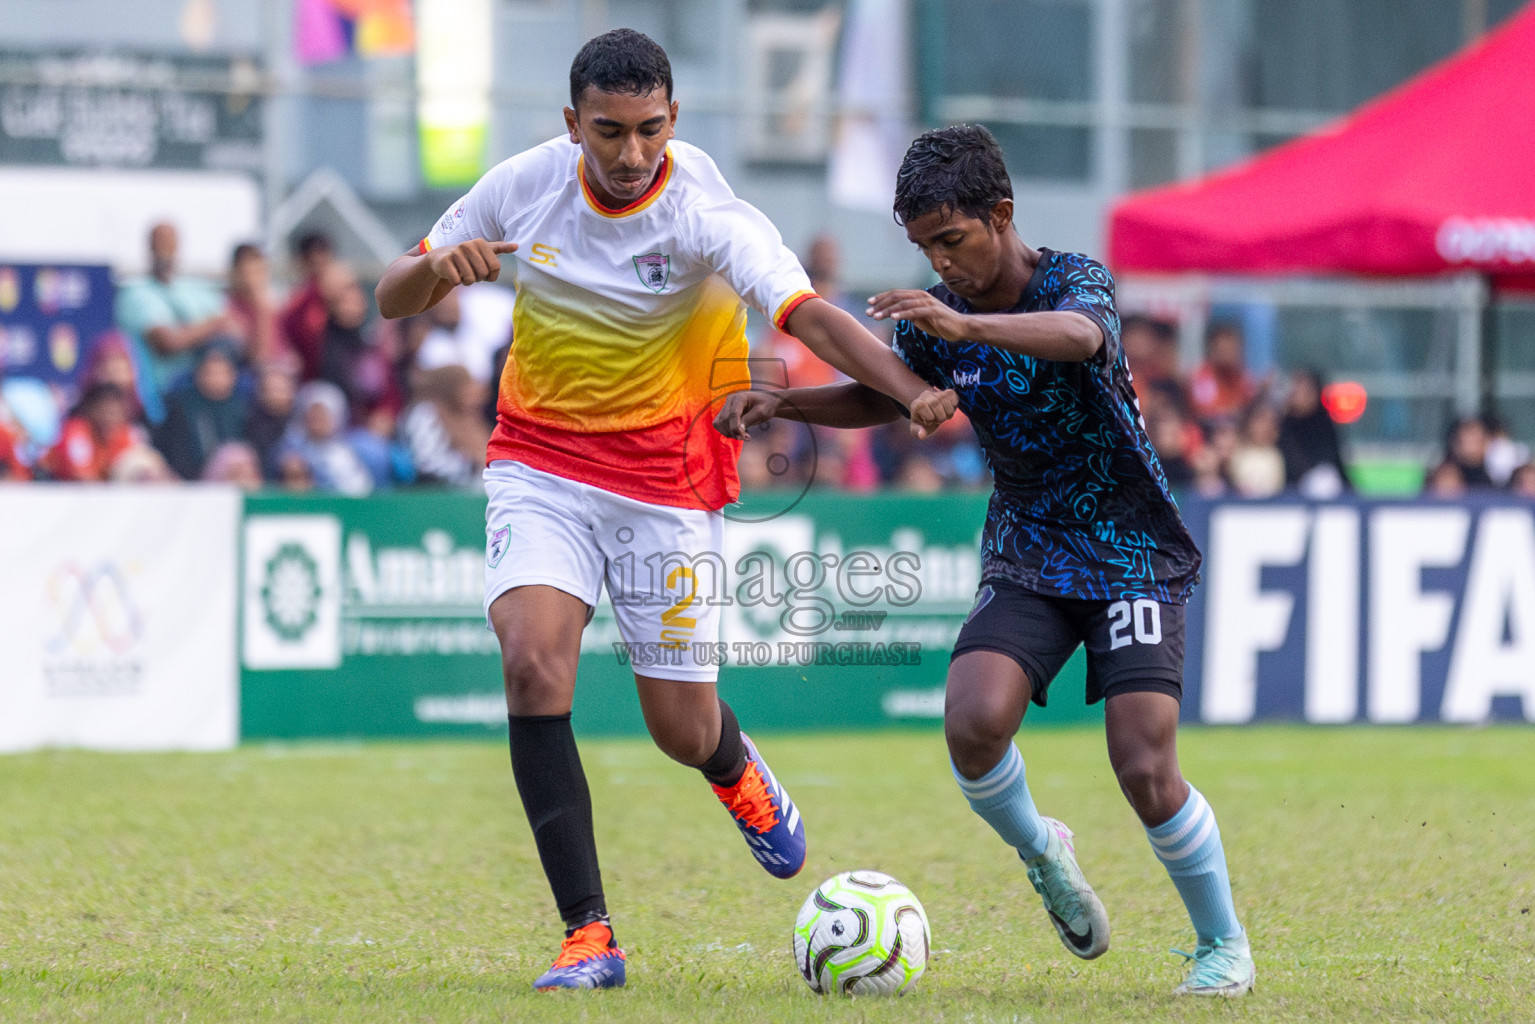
(588, 959)
(766, 816)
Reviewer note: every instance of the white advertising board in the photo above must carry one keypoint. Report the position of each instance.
(117, 617)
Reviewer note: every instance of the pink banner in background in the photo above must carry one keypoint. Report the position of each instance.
(318, 33)
(329, 30)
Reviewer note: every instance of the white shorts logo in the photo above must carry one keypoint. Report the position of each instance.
(500, 540)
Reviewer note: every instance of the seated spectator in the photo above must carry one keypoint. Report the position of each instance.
(1522, 480)
(388, 461)
(342, 346)
(443, 430)
(234, 462)
(891, 450)
(467, 328)
(293, 473)
(381, 378)
(823, 265)
(96, 433)
(1209, 480)
(11, 465)
(1465, 446)
(34, 410)
(141, 464)
(1309, 442)
(253, 307)
(202, 414)
(1256, 469)
(1212, 460)
(1170, 439)
(316, 434)
(171, 316)
(1151, 350)
(1221, 385)
(266, 421)
(1504, 454)
(918, 475)
(770, 458)
(302, 321)
(1446, 480)
(111, 362)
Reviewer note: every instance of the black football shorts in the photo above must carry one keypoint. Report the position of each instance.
(1132, 645)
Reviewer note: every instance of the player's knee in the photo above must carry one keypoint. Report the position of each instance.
(536, 679)
(1152, 783)
(976, 740)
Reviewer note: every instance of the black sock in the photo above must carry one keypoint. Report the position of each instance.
(728, 762)
(559, 808)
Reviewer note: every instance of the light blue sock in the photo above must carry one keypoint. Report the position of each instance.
(1001, 798)
(1189, 846)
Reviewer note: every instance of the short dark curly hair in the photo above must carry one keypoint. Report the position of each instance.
(621, 61)
(955, 168)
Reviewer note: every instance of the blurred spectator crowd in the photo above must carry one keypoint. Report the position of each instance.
(235, 383)
(1220, 430)
(313, 391)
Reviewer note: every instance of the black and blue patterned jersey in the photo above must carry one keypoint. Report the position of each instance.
(1081, 507)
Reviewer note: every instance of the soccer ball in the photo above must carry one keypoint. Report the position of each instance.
(861, 933)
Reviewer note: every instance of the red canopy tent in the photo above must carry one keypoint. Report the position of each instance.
(1436, 176)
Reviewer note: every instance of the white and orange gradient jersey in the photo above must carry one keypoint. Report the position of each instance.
(629, 326)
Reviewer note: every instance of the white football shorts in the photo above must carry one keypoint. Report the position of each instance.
(663, 567)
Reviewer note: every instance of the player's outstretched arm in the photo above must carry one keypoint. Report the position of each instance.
(836, 338)
(414, 283)
(849, 405)
(1059, 335)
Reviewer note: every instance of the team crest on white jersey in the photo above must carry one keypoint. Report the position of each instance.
(654, 270)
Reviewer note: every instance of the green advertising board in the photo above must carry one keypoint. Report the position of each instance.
(362, 617)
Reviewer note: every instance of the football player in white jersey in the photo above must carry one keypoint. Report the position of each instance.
(635, 261)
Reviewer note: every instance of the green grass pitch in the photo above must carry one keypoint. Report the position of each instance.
(1384, 874)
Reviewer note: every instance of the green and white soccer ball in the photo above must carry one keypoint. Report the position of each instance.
(861, 933)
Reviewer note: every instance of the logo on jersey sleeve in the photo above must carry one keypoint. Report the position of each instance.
(452, 217)
(654, 270)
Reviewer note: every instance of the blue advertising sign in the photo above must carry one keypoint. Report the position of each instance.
(51, 317)
(1363, 611)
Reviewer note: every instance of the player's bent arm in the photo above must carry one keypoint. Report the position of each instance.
(1057, 335)
(836, 338)
(414, 283)
(409, 287)
(847, 405)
